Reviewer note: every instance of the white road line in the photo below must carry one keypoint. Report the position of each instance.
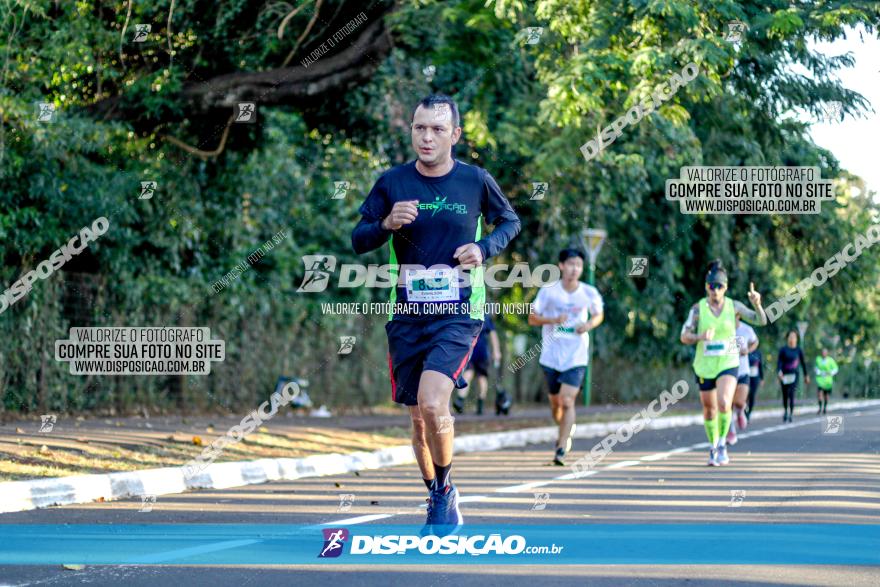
(622, 465)
(525, 486)
(576, 475)
(657, 457)
(358, 520)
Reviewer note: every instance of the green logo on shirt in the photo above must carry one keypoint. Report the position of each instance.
(440, 204)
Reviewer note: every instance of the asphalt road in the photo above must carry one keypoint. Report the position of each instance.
(779, 474)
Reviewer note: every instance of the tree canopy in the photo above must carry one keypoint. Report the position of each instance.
(133, 106)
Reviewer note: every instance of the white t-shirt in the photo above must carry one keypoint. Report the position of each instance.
(745, 337)
(563, 348)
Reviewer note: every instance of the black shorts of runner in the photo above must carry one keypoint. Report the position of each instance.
(555, 379)
(743, 379)
(825, 391)
(480, 365)
(709, 384)
(442, 345)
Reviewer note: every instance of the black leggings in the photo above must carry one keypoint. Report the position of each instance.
(754, 382)
(788, 392)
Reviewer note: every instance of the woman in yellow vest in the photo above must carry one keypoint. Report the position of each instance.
(711, 325)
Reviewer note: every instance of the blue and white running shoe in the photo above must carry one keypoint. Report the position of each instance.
(722, 457)
(713, 458)
(444, 517)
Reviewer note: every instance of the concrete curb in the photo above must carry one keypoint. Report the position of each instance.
(20, 496)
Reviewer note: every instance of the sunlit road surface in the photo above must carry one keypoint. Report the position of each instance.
(779, 474)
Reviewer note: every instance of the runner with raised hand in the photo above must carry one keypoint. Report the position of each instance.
(431, 209)
(711, 325)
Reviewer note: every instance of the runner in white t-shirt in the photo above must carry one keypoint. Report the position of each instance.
(566, 310)
(747, 342)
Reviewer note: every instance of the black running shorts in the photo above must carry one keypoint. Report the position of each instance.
(710, 384)
(442, 345)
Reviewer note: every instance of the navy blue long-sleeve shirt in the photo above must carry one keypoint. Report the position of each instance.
(790, 359)
(449, 211)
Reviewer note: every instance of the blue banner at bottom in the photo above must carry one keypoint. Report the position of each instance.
(592, 544)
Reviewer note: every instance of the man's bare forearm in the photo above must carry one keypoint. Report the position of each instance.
(595, 321)
(538, 320)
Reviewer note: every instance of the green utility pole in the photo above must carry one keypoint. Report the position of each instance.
(593, 238)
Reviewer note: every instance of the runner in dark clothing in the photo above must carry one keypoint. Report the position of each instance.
(790, 358)
(430, 211)
(756, 377)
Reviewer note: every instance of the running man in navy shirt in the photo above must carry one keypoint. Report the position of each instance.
(431, 210)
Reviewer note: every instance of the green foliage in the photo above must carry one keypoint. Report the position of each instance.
(527, 108)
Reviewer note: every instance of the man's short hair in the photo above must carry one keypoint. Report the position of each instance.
(566, 254)
(435, 99)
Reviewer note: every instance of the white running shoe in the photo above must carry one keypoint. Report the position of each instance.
(722, 457)
(713, 458)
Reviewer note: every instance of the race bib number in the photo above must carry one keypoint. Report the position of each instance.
(431, 285)
(789, 378)
(717, 348)
(753, 371)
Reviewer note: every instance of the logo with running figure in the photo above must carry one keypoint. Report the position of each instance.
(736, 30)
(334, 539)
(346, 345)
(47, 422)
(832, 112)
(140, 32)
(532, 34)
(539, 190)
(345, 502)
(638, 266)
(833, 425)
(245, 112)
(148, 188)
(541, 500)
(339, 190)
(732, 346)
(447, 423)
(318, 270)
(439, 204)
(45, 112)
(147, 505)
(737, 497)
